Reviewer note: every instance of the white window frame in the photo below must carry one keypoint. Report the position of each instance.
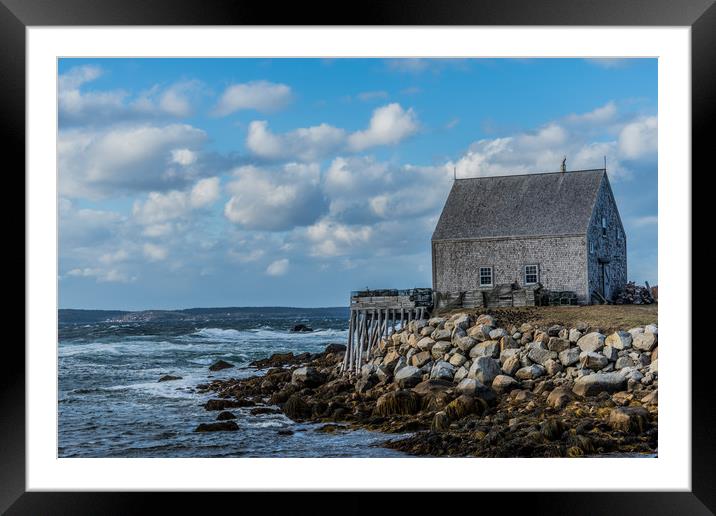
(536, 274)
(591, 247)
(479, 277)
(604, 226)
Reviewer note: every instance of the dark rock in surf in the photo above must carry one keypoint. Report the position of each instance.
(301, 328)
(223, 426)
(225, 416)
(219, 365)
(168, 378)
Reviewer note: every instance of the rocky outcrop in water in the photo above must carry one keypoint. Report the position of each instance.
(466, 387)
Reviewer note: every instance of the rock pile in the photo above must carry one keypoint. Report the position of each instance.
(633, 294)
(476, 354)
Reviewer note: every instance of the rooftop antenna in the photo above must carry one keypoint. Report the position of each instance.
(454, 173)
(563, 168)
(605, 163)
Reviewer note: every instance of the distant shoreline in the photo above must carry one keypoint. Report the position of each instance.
(79, 315)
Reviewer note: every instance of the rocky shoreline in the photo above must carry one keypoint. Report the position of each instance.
(464, 386)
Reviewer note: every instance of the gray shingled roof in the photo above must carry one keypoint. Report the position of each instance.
(520, 205)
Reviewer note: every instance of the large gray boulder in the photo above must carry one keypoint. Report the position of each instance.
(307, 377)
(511, 365)
(408, 376)
(593, 361)
(569, 356)
(465, 343)
(619, 340)
(644, 341)
(540, 356)
(593, 341)
(440, 348)
(442, 370)
(593, 384)
(531, 372)
(472, 387)
(488, 348)
(503, 383)
(441, 335)
(484, 369)
(557, 344)
(425, 344)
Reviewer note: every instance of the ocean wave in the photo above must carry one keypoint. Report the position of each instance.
(267, 333)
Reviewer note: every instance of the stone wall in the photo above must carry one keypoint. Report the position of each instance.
(561, 260)
(610, 245)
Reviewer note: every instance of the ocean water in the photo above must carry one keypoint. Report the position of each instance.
(110, 403)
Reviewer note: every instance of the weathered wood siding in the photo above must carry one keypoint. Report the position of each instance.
(612, 246)
(561, 259)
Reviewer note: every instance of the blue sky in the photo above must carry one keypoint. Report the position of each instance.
(255, 182)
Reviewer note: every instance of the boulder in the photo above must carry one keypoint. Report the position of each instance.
(593, 384)
(504, 355)
(391, 359)
(559, 398)
(611, 353)
(574, 335)
(400, 365)
(593, 341)
(384, 374)
(426, 344)
(401, 402)
(651, 328)
(462, 321)
(301, 328)
(365, 383)
(485, 319)
(654, 367)
(569, 356)
(498, 333)
(644, 341)
(225, 416)
(509, 343)
(440, 422)
(223, 404)
(457, 359)
(484, 369)
(427, 331)
(408, 376)
(335, 348)
(441, 335)
(437, 322)
(420, 359)
(440, 348)
(511, 365)
(480, 332)
(557, 344)
(593, 361)
(619, 340)
(296, 408)
(307, 377)
(530, 372)
(552, 367)
(503, 383)
(488, 348)
(465, 343)
(629, 419)
(442, 371)
(219, 365)
(461, 373)
(623, 362)
(462, 406)
(540, 356)
(553, 331)
(652, 398)
(169, 378)
(222, 426)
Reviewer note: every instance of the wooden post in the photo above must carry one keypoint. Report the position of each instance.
(346, 357)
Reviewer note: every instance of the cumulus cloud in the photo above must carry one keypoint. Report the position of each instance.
(370, 96)
(98, 107)
(159, 207)
(155, 252)
(278, 267)
(275, 200)
(305, 144)
(599, 115)
(262, 96)
(639, 138)
(95, 163)
(102, 275)
(389, 125)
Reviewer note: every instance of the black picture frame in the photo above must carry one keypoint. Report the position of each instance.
(17, 15)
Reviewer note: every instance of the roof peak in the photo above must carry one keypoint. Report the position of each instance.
(534, 174)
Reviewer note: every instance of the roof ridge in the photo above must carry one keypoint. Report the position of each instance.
(533, 174)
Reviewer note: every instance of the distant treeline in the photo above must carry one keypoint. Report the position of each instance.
(71, 315)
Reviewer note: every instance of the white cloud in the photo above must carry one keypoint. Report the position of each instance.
(97, 163)
(388, 126)
(100, 107)
(278, 268)
(275, 200)
(183, 157)
(262, 96)
(305, 144)
(646, 220)
(608, 62)
(102, 275)
(370, 96)
(328, 238)
(599, 115)
(158, 208)
(155, 252)
(639, 138)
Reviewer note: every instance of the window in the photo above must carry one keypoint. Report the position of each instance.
(591, 247)
(604, 226)
(531, 274)
(485, 276)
